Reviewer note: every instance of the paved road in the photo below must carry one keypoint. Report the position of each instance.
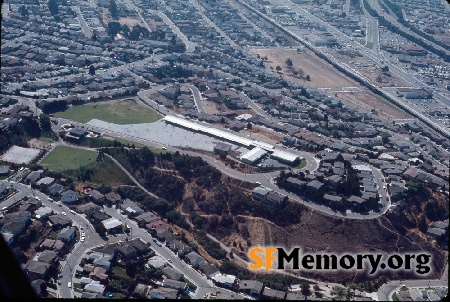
(203, 284)
(386, 290)
(197, 98)
(92, 239)
(190, 46)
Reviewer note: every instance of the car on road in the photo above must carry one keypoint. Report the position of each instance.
(170, 260)
(82, 239)
(4, 208)
(64, 213)
(72, 211)
(164, 148)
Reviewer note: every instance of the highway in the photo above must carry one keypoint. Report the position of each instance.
(394, 21)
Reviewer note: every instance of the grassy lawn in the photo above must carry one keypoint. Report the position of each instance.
(53, 234)
(123, 112)
(190, 284)
(302, 164)
(66, 158)
(394, 297)
(120, 272)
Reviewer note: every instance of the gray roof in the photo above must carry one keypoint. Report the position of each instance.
(168, 293)
(250, 284)
(37, 267)
(47, 256)
(172, 273)
(195, 258)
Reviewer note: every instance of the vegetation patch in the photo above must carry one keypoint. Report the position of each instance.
(63, 158)
(102, 171)
(123, 112)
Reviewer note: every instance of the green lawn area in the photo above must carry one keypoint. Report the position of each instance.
(63, 158)
(120, 272)
(302, 164)
(190, 284)
(123, 112)
(394, 297)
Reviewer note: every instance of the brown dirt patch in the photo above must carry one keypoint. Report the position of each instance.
(322, 74)
(369, 101)
(322, 233)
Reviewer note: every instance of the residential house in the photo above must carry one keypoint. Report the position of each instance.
(67, 234)
(113, 197)
(157, 261)
(128, 252)
(55, 189)
(273, 294)
(95, 287)
(159, 227)
(133, 211)
(314, 185)
(99, 274)
(162, 293)
(225, 280)
(37, 269)
(146, 218)
(251, 287)
(172, 273)
(276, 198)
(49, 257)
(59, 220)
(112, 224)
(19, 216)
(169, 283)
(96, 196)
(209, 269)
(179, 247)
(13, 227)
(140, 291)
(260, 192)
(69, 196)
(34, 176)
(194, 259)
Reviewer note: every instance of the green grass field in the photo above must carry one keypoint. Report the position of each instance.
(302, 164)
(123, 112)
(66, 158)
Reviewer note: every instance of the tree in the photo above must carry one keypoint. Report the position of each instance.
(113, 9)
(113, 28)
(289, 62)
(23, 11)
(53, 7)
(249, 125)
(379, 79)
(278, 68)
(308, 78)
(92, 70)
(295, 73)
(385, 69)
(45, 123)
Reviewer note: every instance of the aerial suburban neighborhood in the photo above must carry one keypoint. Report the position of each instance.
(148, 148)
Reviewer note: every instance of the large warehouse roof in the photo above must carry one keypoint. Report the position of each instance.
(253, 155)
(285, 156)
